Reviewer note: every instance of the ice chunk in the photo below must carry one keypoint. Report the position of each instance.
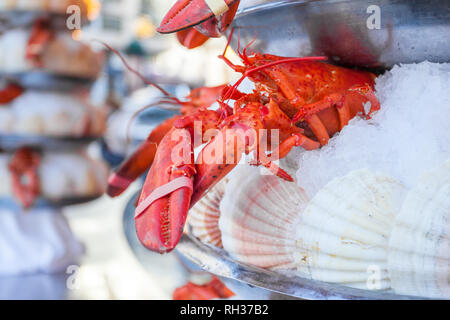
(410, 134)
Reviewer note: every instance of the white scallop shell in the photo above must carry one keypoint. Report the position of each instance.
(419, 252)
(342, 235)
(204, 216)
(258, 215)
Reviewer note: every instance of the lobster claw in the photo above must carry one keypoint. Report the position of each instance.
(210, 17)
(166, 195)
(191, 38)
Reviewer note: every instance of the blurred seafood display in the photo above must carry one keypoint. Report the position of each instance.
(354, 193)
(56, 175)
(47, 123)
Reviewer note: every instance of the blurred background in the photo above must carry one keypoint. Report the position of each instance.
(69, 114)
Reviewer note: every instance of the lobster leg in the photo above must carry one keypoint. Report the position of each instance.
(296, 140)
(139, 161)
(348, 104)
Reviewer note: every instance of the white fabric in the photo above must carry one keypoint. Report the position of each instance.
(38, 240)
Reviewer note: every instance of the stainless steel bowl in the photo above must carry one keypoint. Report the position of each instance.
(410, 30)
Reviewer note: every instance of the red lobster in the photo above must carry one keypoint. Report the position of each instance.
(195, 21)
(307, 101)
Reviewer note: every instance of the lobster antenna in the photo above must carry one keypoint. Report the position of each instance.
(228, 42)
(137, 73)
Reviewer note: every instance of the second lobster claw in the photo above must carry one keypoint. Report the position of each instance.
(210, 17)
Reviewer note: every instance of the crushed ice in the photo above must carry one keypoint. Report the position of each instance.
(410, 134)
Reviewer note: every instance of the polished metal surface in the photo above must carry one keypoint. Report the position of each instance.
(346, 32)
(218, 262)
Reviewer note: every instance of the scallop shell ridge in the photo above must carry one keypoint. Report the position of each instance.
(419, 254)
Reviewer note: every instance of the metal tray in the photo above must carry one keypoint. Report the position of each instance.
(410, 30)
(13, 142)
(248, 281)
